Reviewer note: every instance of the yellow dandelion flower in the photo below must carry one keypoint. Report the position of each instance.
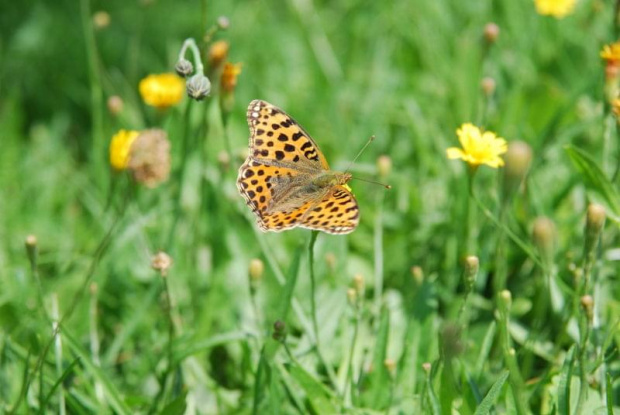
(163, 90)
(230, 73)
(478, 147)
(555, 8)
(119, 148)
(611, 53)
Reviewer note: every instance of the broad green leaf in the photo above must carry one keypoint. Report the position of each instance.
(489, 400)
(599, 185)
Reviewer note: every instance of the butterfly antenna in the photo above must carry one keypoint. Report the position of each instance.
(370, 140)
(387, 186)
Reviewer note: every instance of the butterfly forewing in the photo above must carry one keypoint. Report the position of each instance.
(279, 139)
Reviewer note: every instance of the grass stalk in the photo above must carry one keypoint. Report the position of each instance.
(97, 153)
(378, 254)
(94, 341)
(62, 410)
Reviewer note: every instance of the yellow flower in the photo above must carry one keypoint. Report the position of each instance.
(555, 8)
(218, 52)
(163, 90)
(119, 148)
(615, 107)
(478, 147)
(611, 53)
(229, 76)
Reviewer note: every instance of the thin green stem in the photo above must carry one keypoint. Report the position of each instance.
(470, 222)
(515, 380)
(378, 254)
(96, 93)
(163, 381)
(62, 410)
(348, 385)
(180, 174)
(315, 325)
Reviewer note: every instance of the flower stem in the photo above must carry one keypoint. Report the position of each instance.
(96, 93)
(315, 325)
(378, 254)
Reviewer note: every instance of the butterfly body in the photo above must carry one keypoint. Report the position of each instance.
(286, 180)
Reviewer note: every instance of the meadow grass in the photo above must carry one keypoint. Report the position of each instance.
(461, 291)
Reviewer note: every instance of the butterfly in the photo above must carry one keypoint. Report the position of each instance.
(286, 180)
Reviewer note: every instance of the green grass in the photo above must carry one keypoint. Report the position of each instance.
(420, 337)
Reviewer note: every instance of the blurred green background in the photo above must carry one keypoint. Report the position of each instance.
(409, 72)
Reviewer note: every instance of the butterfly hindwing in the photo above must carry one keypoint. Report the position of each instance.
(336, 213)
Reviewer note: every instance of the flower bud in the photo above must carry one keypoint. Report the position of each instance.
(115, 105)
(352, 296)
(330, 260)
(488, 86)
(31, 250)
(93, 288)
(506, 298)
(427, 367)
(595, 220)
(184, 68)
(198, 87)
(587, 303)
(161, 262)
(279, 331)
(228, 80)
(359, 285)
(218, 53)
(417, 274)
(517, 163)
(472, 265)
(491, 32)
(543, 234)
(255, 271)
(223, 23)
(384, 166)
(390, 365)
(101, 20)
(223, 160)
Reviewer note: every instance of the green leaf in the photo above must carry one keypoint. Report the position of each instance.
(176, 407)
(609, 394)
(487, 403)
(319, 397)
(564, 385)
(602, 190)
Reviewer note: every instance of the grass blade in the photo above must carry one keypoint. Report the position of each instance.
(565, 381)
(595, 180)
(489, 400)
